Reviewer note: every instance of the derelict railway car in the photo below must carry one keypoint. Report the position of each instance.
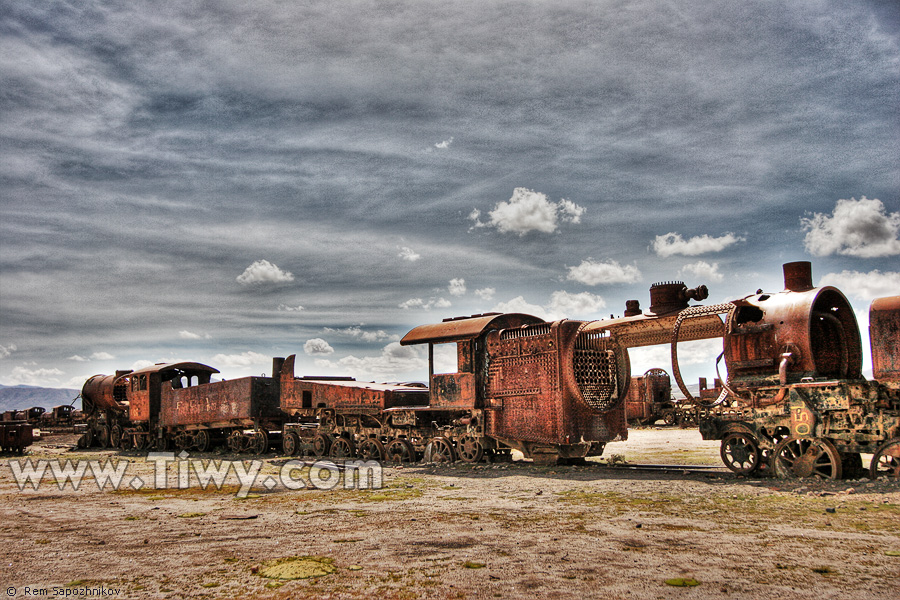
(178, 406)
(794, 362)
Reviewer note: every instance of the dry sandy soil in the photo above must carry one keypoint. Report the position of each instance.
(488, 531)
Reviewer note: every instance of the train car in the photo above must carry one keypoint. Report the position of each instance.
(650, 399)
(15, 435)
(803, 408)
(177, 405)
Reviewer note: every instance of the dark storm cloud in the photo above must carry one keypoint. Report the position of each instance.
(151, 154)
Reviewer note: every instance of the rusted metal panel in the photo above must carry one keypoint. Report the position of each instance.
(453, 390)
(464, 328)
(811, 333)
(233, 401)
(884, 337)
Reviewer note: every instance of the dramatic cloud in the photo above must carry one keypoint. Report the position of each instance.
(409, 254)
(486, 293)
(425, 304)
(317, 346)
(590, 272)
(527, 211)
(574, 306)
(39, 377)
(672, 243)
(457, 287)
(702, 271)
(861, 228)
(262, 271)
(246, 359)
(357, 332)
(864, 286)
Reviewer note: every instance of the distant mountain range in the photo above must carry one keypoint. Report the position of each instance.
(19, 397)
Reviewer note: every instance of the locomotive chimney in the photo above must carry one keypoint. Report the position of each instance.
(277, 363)
(798, 276)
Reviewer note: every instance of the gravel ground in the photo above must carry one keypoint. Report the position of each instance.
(511, 530)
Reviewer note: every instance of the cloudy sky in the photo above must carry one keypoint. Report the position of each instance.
(228, 181)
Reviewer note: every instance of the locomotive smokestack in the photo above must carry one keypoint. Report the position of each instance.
(798, 276)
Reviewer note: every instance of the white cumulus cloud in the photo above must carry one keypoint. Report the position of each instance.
(673, 243)
(574, 306)
(520, 305)
(425, 304)
(7, 350)
(262, 271)
(457, 287)
(409, 254)
(190, 335)
(317, 346)
(444, 144)
(528, 210)
(590, 272)
(864, 286)
(286, 308)
(860, 228)
(356, 331)
(486, 293)
(38, 377)
(702, 271)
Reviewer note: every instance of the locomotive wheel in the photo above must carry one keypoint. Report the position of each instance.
(371, 449)
(126, 443)
(182, 440)
(259, 443)
(140, 441)
(322, 444)
(115, 436)
(290, 443)
(202, 440)
(805, 457)
(442, 451)
(236, 441)
(470, 449)
(886, 461)
(401, 451)
(669, 417)
(740, 453)
(103, 436)
(86, 440)
(342, 448)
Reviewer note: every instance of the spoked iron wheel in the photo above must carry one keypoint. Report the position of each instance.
(740, 453)
(371, 449)
(342, 448)
(886, 461)
(805, 457)
(290, 443)
(115, 436)
(442, 451)
(202, 440)
(470, 449)
(322, 444)
(401, 451)
(259, 443)
(236, 441)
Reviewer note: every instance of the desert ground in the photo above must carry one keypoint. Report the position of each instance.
(509, 530)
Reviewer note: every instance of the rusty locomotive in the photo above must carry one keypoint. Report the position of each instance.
(552, 390)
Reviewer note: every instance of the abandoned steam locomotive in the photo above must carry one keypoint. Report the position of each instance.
(798, 404)
(549, 389)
